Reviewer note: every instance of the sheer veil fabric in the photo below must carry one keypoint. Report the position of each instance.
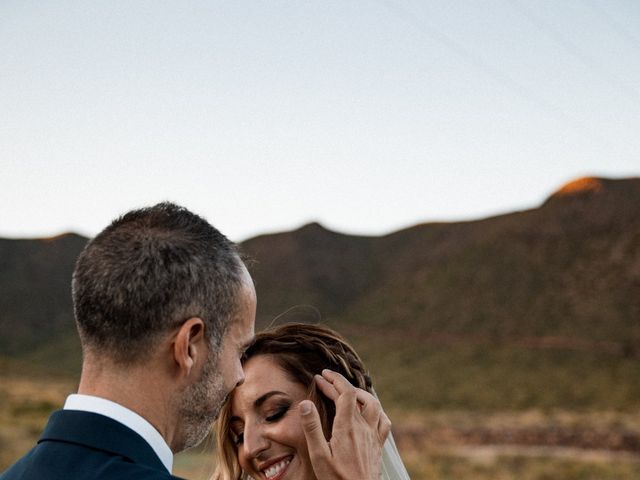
(392, 466)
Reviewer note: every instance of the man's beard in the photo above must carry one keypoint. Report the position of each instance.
(201, 404)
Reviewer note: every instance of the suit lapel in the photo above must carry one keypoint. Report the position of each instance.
(102, 433)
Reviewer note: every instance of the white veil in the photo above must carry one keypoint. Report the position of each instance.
(392, 466)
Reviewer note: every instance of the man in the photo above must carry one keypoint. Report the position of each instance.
(165, 308)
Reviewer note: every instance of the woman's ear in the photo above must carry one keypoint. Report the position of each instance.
(190, 346)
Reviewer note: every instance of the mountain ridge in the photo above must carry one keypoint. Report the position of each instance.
(569, 268)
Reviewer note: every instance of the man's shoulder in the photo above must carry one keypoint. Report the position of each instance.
(131, 471)
(63, 462)
(54, 460)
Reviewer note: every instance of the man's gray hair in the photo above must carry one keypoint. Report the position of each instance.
(147, 273)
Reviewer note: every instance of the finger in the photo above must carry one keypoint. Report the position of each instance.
(370, 407)
(374, 415)
(326, 388)
(347, 408)
(319, 450)
(371, 410)
(340, 383)
(384, 427)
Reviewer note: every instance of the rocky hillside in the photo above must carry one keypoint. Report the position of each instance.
(568, 271)
(565, 275)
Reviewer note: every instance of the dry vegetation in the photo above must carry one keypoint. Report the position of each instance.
(436, 445)
(25, 404)
(434, 449)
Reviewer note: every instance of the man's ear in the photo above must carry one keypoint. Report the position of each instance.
(190, 346)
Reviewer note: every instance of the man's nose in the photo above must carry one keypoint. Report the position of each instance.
(254, 442)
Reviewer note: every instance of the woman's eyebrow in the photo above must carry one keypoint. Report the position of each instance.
(259, 401)
(267, 395)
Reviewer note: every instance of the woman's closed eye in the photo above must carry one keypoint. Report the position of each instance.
(278, 413)
(237, 437)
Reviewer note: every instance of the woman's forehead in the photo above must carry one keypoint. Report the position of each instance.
(264, 375)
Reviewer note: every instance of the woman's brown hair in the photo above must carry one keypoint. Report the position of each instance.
(302, 351)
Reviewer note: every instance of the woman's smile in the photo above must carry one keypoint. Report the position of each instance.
(275, 469)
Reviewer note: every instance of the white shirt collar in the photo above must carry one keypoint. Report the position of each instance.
(115, 411)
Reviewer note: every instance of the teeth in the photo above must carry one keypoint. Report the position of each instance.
(274, 470)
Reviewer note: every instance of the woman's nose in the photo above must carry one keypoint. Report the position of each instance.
(254, 441)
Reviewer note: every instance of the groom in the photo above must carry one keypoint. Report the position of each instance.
(165, 308)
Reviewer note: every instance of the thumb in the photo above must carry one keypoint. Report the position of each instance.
(319, 450)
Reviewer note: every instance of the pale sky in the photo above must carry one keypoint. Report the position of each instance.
(367, 116)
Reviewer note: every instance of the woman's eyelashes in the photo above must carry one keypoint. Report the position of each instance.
(278, 413)
(271, 417)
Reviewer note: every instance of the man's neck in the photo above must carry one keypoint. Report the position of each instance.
(141, 389)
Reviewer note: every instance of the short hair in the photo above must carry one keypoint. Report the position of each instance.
(301, 351)
(148, 272)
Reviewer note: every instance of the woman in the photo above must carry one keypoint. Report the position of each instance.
(259, 433)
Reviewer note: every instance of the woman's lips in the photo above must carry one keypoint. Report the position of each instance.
(276, 469)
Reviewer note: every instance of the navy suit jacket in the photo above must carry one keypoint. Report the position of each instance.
(87, 446)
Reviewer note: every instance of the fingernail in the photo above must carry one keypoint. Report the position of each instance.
(305, 408)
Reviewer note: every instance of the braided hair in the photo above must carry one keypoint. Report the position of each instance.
(302, 351)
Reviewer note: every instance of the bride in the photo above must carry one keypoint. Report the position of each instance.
(258, 433)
